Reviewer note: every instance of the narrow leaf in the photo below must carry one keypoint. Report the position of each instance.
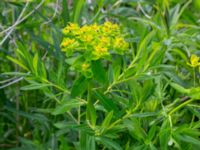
(79, 86)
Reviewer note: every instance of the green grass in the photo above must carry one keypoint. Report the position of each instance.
(146, 99)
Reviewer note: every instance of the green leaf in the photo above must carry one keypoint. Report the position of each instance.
(107, 120)
(144, 42)
(79, 86)
(31, 116)
(65, 125)
(165, 133)
(194, 93)
(179, 88)
(152, 133)
(189, 139)
(34, 86)
(135, 129)
(91, 113)
(148, 89)
(145, 114)
(35, 63)
(109, 143)
(42, 70)
(106, 102)
(87, 142)
(124, 11)
(24, 55)
(65, 12)
(98, 71)
(66, 105)
(116, 66)
(63, 143)
(17, 62)
(77, 7)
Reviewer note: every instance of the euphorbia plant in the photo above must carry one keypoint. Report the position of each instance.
(90, 50)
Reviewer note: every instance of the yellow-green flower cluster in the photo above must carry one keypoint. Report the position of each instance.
(194, 61)
(95, 41)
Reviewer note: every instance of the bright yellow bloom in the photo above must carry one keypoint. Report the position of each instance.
(71, 28)
(120, 43)
(110, 29)
(95, 27)
(65, 30)
(66, 42)
(112, 26)
(87, 38)
(194, 61)
(108, 24)
(85, 29)
(100, 51)
(105, 41)
(115, 27)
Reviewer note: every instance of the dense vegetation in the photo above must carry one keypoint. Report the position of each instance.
(99, 74)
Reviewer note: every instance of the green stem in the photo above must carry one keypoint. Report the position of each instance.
(72, 117)
(79, 121)
(56, 86)
(180, 106)
(89, 93)
(118, 121)
(127, 115)
(194, 76)
(119, 79)
(89, 103)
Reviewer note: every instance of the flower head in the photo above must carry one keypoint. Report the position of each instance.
(100, 51)
(106, 41)
(194, 61)
(110, 29)
(87, 38)
(93, 42)
(68, 43)
(71, 28)
(120, 45)
(95, 27)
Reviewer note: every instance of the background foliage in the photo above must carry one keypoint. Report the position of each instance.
(146, 99)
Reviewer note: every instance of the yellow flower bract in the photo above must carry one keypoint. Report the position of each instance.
(194, 61)
(100, 51)
(71, 28)
(67, 43)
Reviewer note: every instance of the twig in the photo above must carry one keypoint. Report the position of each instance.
(142, 10)
(13, 82)
(12, 27)
(19, 20)
(54, 15)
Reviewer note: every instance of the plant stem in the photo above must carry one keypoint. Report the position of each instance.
(79, 120)
(56, 86)
(180, 106)
(194, 76)
(127, 115)
(118, 81)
